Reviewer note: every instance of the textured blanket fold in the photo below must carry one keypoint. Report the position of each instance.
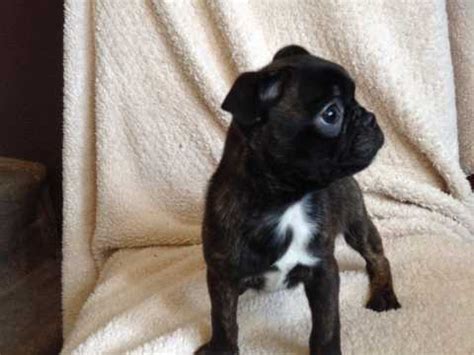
(141, 306)
(144, 80)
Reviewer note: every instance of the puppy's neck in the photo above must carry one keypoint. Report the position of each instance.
(244, 167)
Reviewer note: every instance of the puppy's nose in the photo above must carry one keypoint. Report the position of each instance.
(368, 119)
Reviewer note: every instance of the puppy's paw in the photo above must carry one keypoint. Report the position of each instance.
(383, 300)
(208, 349)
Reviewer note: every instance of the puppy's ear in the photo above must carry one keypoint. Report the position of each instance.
(252, 94)
(290, 51)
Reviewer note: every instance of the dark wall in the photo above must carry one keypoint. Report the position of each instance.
(31, 54)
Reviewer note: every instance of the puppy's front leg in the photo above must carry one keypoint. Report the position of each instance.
(224, 297)
(365, 238)
(322, 290)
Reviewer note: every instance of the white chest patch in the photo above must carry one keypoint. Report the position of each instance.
(296, 218)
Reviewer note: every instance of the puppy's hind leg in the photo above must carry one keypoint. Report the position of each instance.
(364, 238)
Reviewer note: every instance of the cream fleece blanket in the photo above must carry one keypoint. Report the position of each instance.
(144, 80)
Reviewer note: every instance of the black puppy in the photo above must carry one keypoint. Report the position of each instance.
(283, 191)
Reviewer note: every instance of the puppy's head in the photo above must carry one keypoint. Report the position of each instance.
(300, 118)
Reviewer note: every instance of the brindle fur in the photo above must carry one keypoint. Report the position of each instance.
(272, 158)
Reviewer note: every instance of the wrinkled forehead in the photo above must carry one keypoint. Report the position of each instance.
(322, 80)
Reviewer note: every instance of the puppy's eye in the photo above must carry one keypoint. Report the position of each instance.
(329, 120)
(331, 114)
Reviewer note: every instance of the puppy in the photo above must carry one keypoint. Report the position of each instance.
(284, 189)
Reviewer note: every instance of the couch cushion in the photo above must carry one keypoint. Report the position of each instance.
(20, 185)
